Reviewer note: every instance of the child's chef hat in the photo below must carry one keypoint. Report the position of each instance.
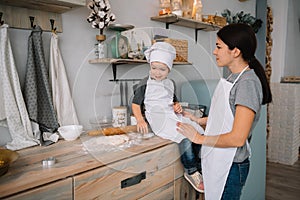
(161, 52)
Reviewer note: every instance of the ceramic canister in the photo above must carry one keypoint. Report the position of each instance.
(119, 116)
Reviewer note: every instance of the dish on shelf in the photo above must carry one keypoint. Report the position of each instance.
(120, 27)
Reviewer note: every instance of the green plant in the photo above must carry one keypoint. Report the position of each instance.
(242, 17)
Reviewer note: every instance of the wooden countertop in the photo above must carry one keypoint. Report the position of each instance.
(72, 158)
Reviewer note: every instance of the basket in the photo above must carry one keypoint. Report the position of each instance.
(214, 19)
(181, 47)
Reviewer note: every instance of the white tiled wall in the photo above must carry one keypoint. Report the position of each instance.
(284, 120)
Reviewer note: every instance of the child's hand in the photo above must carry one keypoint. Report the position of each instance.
(142, 126)
(177, 107)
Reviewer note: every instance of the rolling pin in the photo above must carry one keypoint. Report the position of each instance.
(113, 131)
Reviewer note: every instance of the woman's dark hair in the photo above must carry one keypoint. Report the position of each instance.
(243, 37)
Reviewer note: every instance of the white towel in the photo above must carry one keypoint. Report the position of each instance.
(62, 98)
(13, 112)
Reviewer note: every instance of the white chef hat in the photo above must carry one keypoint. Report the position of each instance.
(161, 52)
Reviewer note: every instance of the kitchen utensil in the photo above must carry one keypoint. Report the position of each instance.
(126, 94)
(113, 131)
(119, 43)
(121, 94)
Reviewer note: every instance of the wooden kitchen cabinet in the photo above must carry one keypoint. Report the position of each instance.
(62, 190)
(147, 172)
(80, 174)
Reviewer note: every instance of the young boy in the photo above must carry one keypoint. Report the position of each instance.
(155, 94)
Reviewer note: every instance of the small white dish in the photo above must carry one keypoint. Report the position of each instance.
(70, 132)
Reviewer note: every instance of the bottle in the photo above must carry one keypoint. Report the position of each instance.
(197, 10)
(102, 49)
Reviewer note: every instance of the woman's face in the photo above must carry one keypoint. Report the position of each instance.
(224, 55)
(158, 71)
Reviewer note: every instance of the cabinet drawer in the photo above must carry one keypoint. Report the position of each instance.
(178, 190)
(152, 170)
(58, 190)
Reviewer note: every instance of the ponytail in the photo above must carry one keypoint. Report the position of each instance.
(260, 72)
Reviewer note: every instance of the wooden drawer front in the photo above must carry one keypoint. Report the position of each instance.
(161, 165)
(180, 189)
(58, 190)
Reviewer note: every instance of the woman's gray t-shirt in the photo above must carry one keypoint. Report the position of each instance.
(247, 91)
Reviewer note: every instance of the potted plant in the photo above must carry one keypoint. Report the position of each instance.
(242, 17)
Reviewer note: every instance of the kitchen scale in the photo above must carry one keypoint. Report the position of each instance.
(119, 43)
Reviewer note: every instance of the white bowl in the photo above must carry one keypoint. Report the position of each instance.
(70, 132)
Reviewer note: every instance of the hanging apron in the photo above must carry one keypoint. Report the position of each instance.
(159, 109)
(216, 162)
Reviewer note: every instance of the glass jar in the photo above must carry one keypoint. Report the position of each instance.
(197, 10)
(187, 7)
(165, 7)
(102, 49)
(177, 7)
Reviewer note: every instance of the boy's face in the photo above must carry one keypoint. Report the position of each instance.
(159, 71)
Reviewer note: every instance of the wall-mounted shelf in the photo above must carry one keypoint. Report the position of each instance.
(16, 12)
(55, 6)
(115, 62)
(189, 23)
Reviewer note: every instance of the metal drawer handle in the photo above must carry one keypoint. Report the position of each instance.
(133, 180)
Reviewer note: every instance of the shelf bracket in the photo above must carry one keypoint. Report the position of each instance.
(196, 33)
(114, 69)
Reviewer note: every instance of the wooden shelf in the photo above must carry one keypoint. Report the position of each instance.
(190, 23)
(55, 6)
(17, 13)
(116, 61)
(126, 61)
(185, 22)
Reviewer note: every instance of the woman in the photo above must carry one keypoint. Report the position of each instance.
(234, 112)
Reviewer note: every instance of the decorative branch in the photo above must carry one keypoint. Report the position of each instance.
(240, 17)
(100, 16)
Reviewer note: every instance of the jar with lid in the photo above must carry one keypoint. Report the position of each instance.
(165, 7)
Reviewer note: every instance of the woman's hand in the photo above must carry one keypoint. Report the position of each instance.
(189, 131)
(177, 107)
(142, 126)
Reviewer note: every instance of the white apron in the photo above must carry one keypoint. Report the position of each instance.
(216, 162)
(159, 109)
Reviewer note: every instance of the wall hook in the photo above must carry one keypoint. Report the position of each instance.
(52, 25)
(1, 22)
(31, 18)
